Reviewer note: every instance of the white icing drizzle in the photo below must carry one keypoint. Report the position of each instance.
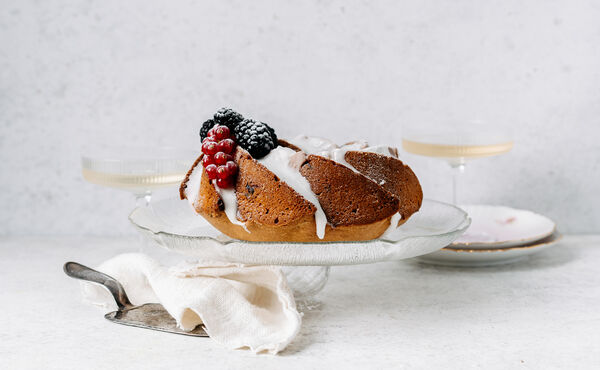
(381, 149)
(393, 224)
(328, 149)
(313, 144)
(339, 155)
(193, 184)
(227, 195)
(278, 162)
(230, 203)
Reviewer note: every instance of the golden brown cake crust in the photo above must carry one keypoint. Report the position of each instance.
(347, 198)
(287, 144)
(264, 198)
(301, 231)
(393, 175)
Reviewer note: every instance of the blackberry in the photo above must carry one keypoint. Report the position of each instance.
(256, 137)
(205, 127)
(228, 117)
(273, 134)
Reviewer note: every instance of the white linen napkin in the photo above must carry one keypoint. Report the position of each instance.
(240, 306)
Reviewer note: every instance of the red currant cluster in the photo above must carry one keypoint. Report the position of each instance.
(218, 161)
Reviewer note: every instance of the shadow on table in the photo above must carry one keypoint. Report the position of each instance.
(549, 258)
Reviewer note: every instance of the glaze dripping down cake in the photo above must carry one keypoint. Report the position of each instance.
(252, 186)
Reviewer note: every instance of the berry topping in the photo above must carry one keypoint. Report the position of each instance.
(232, 168)
(226, 146)
(209, 148)
(222, 172)
(221, 132)
(228, 117)
(211, 132)
(212, 171)
(220, 136)
(205, 127)
(256, 137)
(218, 147)
(221, 158)
(273, 135)
(208, 159)
(225, 183)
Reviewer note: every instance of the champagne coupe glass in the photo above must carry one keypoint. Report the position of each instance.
(136, 169)
(456, 144)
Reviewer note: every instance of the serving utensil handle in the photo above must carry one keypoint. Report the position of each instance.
(79, 271)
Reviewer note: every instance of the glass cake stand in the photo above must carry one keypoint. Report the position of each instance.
(173, 225)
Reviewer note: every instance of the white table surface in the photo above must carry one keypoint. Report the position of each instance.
(540, 313)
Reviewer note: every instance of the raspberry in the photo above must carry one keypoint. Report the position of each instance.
(256, 137)
(211, 171)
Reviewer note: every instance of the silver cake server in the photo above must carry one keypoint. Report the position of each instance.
(149, 316)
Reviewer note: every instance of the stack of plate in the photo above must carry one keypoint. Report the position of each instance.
(497, 235)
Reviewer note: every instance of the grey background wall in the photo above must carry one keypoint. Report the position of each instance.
(79, 72)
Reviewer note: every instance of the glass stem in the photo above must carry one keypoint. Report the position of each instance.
(457, 170)
(143, 200)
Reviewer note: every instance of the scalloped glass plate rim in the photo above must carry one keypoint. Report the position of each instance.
(461, 227)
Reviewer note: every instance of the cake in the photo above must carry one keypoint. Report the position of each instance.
(253, 186)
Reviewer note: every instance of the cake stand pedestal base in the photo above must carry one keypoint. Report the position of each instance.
(305, 282)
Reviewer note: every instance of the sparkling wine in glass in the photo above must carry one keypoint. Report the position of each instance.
(456, 144)
(138, 170)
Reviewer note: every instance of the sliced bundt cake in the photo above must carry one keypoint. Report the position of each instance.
(307, 190)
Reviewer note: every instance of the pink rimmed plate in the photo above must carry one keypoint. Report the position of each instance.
(500, 227)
